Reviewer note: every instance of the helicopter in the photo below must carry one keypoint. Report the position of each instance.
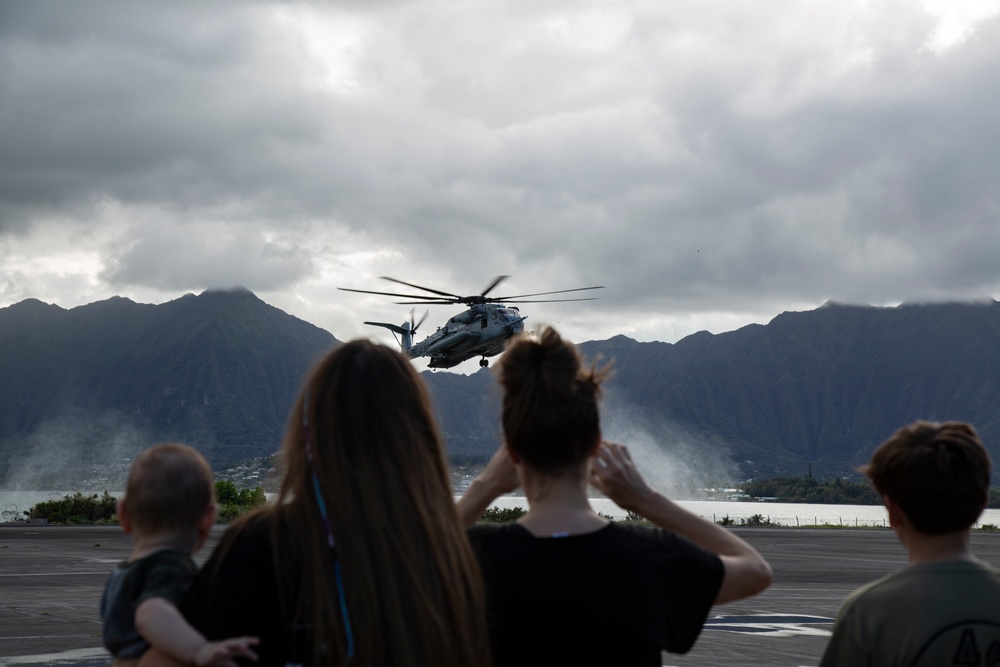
(482, 330)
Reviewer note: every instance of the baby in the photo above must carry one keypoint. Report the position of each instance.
(168, 508)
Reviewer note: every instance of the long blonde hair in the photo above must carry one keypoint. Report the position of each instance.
(362, 436)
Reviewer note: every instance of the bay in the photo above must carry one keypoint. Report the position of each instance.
(13, 503)
(782, 514)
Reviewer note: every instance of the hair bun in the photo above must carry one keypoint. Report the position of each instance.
(547, 363)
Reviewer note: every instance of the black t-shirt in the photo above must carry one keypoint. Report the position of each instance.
(617, 596)
(237, 593)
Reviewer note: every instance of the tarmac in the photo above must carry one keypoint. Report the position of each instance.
(51, 578)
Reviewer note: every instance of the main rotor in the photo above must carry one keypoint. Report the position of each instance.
(437, 297)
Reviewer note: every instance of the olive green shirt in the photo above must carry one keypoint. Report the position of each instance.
(944, 613)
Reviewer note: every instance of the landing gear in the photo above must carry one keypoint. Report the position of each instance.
(484, 362)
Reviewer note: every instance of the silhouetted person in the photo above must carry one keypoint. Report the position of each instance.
(565, 585)
(943, 608)
(168, 509)
(361, 559)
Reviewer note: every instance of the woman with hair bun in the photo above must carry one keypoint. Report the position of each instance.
(566, 586)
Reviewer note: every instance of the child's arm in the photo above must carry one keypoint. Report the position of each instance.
(163, 626)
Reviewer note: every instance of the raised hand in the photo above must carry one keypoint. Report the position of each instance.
(614, 474)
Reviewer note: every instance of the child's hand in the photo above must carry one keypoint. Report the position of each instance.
(221, 653)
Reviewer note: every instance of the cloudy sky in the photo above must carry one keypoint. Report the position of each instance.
(712, 162)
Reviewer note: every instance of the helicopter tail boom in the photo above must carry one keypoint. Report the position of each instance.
(405, 332)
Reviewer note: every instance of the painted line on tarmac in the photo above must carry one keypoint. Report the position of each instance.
(772, 625)
(53, 574)
(45, 637)
(74, 657)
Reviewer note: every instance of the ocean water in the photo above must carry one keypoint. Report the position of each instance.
(13, 503)
(784, 514)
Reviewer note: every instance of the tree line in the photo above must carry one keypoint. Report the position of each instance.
(835, 491)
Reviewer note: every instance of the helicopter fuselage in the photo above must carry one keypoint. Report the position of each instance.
(480, 331)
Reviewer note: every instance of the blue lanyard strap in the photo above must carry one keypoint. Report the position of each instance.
(342, 598)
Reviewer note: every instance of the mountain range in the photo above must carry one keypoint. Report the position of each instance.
(814, 390)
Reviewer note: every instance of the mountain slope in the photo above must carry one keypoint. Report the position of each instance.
(823, 386)
(219, 371)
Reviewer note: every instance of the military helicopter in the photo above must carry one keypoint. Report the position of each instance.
(482, 330)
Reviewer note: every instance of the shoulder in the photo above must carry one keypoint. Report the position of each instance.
(245, 543)
(660, 543)
(485, 535)
(160, 564)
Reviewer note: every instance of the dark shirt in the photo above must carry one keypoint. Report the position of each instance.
(162, 574)
(238, 593)
(617, 596)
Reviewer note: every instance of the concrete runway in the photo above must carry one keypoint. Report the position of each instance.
(51, 578)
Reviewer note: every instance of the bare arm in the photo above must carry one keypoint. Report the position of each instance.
(746, 571)
(499, 477)
(162, 625)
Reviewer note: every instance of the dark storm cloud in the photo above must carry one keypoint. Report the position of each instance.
(695, 157)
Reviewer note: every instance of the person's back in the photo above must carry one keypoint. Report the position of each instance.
(944, 613)
(630, 587)
(361, 560)
(944, 607)
(168, 508)
(565, 586)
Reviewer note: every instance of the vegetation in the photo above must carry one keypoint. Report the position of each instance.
(102, 509)
(502, 515)
(77, 509)
(234, 502)
(836, 491)
(754, 521)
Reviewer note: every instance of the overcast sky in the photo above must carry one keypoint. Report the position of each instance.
(713, 163)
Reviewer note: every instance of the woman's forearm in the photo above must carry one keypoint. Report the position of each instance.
(498, 477)
(746, 571)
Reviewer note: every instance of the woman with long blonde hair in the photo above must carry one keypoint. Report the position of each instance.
(362, 559)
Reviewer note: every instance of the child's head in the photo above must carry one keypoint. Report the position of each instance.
(169, 490)
(938, 474)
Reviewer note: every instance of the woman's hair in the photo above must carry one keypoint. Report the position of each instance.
(363, 436)
(550, 414)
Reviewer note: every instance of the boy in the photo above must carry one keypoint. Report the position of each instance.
(944, 607)
(168, 508)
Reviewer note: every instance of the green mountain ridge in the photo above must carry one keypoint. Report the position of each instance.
(822, 386)
(220, 371)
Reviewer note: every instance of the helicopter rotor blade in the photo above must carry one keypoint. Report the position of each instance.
(427, 303)
(496, 281)
(592, 298)
(404, 296)
(561, 291)
(426, 289)
(417, 325)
